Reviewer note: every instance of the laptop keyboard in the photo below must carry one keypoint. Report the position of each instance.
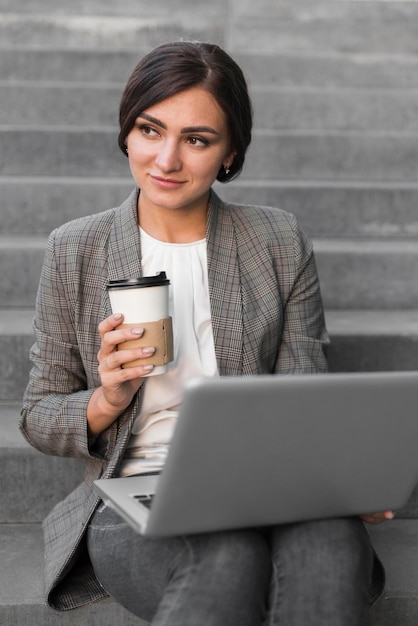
(146, 500)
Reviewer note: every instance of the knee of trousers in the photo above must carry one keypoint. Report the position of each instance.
(344, 539)
(242, 550)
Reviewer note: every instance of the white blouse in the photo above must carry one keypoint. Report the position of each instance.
(194, 350)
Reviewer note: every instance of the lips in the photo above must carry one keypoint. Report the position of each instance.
(168, 183)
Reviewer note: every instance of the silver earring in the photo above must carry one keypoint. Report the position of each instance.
(126, 149)
(226, 168)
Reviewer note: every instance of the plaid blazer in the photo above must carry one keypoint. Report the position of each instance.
(267, 318)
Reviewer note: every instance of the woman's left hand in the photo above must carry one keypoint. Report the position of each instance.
(377, 518)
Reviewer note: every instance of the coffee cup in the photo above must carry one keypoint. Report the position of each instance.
(143, 301)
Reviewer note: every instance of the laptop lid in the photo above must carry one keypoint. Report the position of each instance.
(255, 451)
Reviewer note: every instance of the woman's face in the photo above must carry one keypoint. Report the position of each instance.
(176, 149)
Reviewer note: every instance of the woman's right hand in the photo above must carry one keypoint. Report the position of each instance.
(118, 384)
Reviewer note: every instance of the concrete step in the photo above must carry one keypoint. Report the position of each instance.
(343, 209)
(361, 340)
(354, 273)
(32, 482)
(22, 595)
(22, 591)
(98, 7)
(275, 107)
(342, 26)
(372, 340)
(110, 31)
(367, 274)
(325, 26)
(16, 337)
(37, 205)
(284, 68)
(273, 155)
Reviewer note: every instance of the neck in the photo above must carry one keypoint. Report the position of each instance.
(173, 225)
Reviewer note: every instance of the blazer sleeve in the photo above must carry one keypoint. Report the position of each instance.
(53, 417)
(304, 337)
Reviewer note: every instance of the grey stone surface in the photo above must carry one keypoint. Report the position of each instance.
(367, 274)
(284, 69)
(275, 107)
(324, 26)
(293, 68)
(273, 155)
(36, 205)
(354, 273)
(92, 31)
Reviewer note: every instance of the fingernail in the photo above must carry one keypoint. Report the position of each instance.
(117, 316)
(137, 331)
(147, 368)
(148, 351)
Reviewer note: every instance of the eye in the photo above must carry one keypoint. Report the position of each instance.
(198, 141)
(147, 130)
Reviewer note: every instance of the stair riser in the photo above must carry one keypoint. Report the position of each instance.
(345, 30)
(349, 352)
(326, 35)
(36, 207)
(358, 279)
(272, 156)
(283, 69)
(353, 279)
(379, 353)
(64, 31)
(73, 105)
(40, 480)
(107, 7)
(14, 365)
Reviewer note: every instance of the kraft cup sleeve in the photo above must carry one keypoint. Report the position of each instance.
(158, 334)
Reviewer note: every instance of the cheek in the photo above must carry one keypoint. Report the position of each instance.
(207, 168)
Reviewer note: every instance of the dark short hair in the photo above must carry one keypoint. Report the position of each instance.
(175, 67)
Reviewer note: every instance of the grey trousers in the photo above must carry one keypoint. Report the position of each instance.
(308, 574)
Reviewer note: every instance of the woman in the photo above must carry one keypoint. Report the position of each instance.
(245, 300)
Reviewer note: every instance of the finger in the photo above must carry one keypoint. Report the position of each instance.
(115, 360)
(110, 323)
(377, 518)
(115, 377)
(112, 338)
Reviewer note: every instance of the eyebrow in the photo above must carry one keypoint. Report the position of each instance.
(186, 129)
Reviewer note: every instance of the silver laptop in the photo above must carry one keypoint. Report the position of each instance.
(274, 449)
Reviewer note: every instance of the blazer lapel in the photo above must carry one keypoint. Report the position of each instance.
(224, 288)
(124, 251)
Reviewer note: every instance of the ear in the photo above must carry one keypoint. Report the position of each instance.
(229, 159)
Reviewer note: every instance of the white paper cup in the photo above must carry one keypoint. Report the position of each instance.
(142, 300)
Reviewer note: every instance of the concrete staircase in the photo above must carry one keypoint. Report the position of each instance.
(335, 89)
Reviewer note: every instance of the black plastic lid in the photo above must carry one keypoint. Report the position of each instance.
(141, 281)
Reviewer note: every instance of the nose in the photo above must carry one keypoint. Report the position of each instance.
(168, 156)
